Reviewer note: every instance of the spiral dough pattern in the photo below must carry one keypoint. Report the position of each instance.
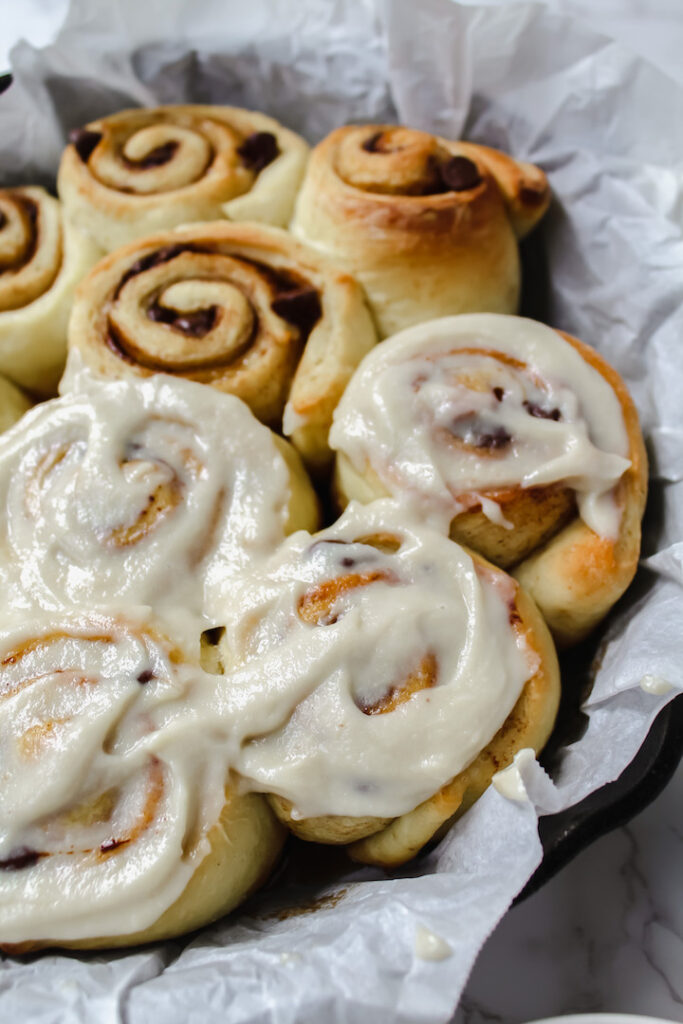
(41, 260)
(141, 171)
(244, 308)
(427, 225)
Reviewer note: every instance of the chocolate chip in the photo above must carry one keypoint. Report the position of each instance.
(543, 414)
(112, 844)
(152, 259)
(300, 307)
(370, 144)
(259, 150)
(145, 676)
(499, 438)
(347, 562)
(531, 196)
(196, 324)
(214, 635)
(459, 174)
(156, 157)
(84, 141)
(499, 392)
(3, 220)
(22, 857)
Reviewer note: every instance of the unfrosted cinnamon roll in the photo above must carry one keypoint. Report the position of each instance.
(13, 404)
(140, 171)
(151, 491)
(520, 440)
(119, 822)
(428, 226)
(42, 259)
(242, 307)
(379, 676)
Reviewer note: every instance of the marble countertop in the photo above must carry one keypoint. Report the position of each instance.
(606, 934)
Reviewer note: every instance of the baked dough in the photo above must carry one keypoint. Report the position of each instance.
(142, 171)
(121, 824)
(521, 440)
(382, 675)
(243, 307)
(42, 259)
(427, 225)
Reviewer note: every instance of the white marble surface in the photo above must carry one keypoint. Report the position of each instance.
(606, 934)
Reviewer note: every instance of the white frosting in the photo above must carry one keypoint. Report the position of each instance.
(98, 712)
(509, 782)
(438, 415)
(430, 946)
(304, 670)
(152, 491)
(656, 685)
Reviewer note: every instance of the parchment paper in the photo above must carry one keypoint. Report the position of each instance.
(608, 129)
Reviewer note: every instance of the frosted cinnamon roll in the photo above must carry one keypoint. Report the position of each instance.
(141, 171)
(42, 259)
(119, 822)
(244, 308)
(520, 440)
(152, 491)
(379, 676)
(13, 404)
(428, 226)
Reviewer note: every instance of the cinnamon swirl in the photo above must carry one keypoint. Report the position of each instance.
(520, 440)
(119, 822)
(242, 307)
(140, 171)
(379, 676)
(42, 259)
(428, 226)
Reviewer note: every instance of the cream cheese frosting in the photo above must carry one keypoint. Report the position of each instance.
(151, 491)
(457, 407)
(336, 626)
(108, 790)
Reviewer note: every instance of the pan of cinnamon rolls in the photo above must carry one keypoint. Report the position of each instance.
(295, 545)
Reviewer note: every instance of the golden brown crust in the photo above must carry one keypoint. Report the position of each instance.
(242, 307)
(390, 842)
(420, 246)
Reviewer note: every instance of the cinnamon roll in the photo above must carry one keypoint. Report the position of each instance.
(151, 491)
(42, 259)
(140, 171)
(379, 676)
(520, 440)
(242, 307)
(13, 404)
(119, 822)
(428, 226)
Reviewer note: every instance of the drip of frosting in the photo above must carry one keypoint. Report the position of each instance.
(469, 404)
